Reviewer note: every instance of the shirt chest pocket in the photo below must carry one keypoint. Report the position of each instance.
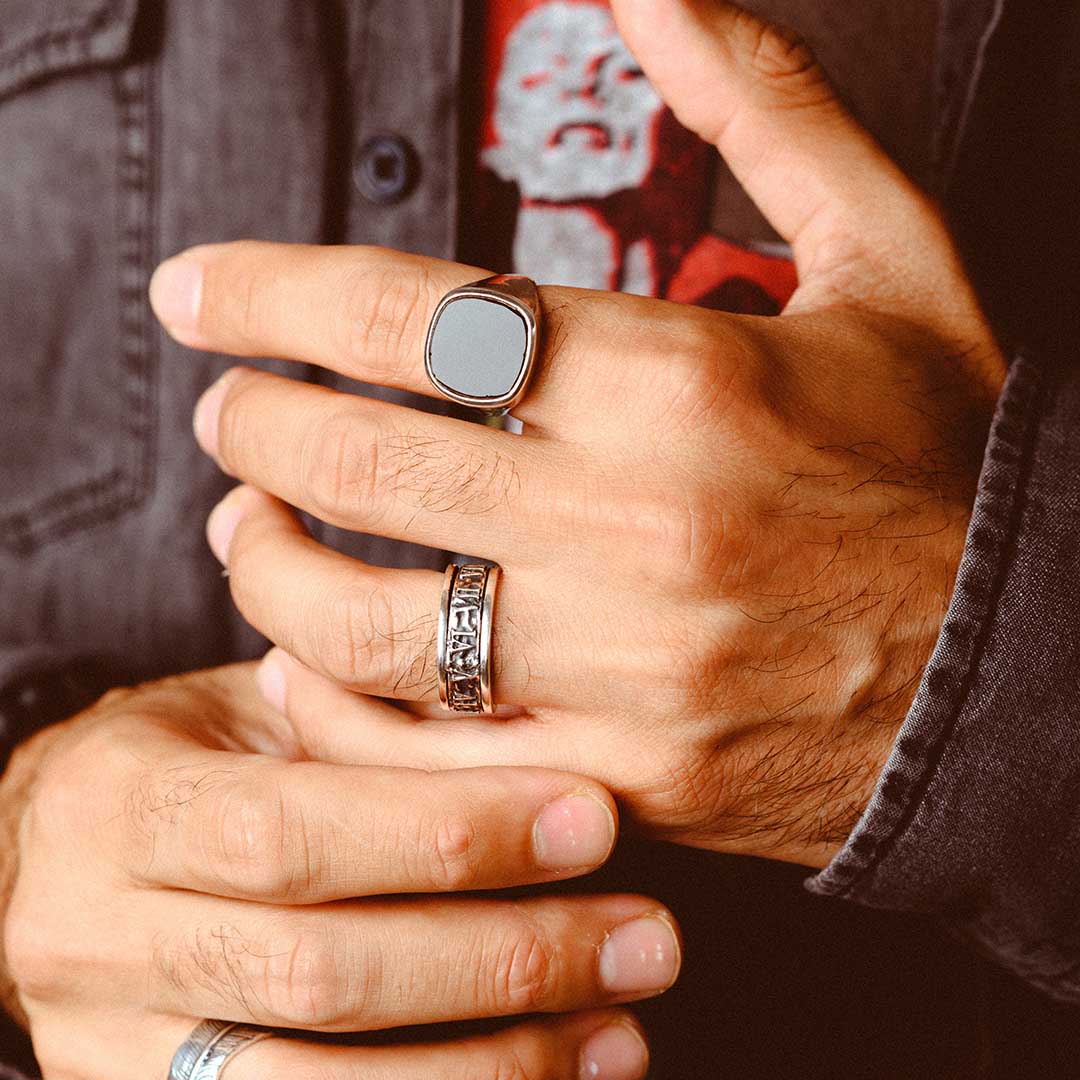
(77, 367)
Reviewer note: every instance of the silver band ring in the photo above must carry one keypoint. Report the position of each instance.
(463, 645)
(482, 342)
(204, 1053)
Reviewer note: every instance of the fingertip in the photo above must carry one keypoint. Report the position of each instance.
(222, 522)
(234, 508)
(176, 290)
(641, 957)
(271, 677)
(615, 1051)
(207, 416)
(574, 833)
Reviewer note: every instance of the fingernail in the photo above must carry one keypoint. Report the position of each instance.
(221, 524)
(640, 957)
(207, 411)
(270, 679)
(573, 832)
(615, 1052)
(176, 293)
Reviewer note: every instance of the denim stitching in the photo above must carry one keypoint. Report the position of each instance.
(101, 498)
(57, 46)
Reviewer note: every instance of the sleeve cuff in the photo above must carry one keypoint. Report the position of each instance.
(976, 815)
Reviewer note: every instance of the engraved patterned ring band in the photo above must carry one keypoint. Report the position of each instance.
(482, 342)
(205, 1052)
(463, 645)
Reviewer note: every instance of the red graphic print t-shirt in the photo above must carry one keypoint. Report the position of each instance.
(599, 183)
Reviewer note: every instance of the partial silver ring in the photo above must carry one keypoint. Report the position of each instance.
(205, 1052)
(463, 645)
(482, 342)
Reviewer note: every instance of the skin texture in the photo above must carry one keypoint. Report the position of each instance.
(728, 543)
(179, 855)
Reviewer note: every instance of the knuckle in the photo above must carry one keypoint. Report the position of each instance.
(304, 985)
(57, 800)
(386, 311)
(689, 531)
(258, 844)
(119, 697)
(510, 1065)
(519, 971)
(72, 784)
(716, 365)
(36, 962)
(340, 467)
(355, 639)
(453, 863)
(679, 524)
(289, 978)
(779, 56)
(689, 668)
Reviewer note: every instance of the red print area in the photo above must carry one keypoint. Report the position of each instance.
(668, 212)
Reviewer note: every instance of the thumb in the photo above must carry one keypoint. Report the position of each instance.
(757, 94)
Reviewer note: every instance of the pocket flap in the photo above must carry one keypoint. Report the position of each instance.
(39, 38)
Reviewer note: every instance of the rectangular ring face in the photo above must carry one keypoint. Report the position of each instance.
(479, 350)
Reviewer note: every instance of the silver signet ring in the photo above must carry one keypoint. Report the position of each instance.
(482, 341)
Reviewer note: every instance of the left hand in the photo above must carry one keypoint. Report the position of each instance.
(727, 542)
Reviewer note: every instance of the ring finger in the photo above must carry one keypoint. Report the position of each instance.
(593, 1046)
(369, 628)
(597, 1045)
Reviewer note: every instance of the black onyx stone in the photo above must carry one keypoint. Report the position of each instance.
(478, 348)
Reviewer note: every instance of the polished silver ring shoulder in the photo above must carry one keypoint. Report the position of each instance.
(463, 645)
(203, 1054)
(482, 342)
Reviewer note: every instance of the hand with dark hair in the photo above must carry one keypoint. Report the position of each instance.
(727, 542)
(175, 853)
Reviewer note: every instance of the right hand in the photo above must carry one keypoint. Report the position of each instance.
(179, 858)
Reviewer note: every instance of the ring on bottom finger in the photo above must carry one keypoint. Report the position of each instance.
(203, 1054)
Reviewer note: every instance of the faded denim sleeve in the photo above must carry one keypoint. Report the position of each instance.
(976, 816)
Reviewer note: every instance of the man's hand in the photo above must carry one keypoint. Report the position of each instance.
(180, 857)
(727, 542)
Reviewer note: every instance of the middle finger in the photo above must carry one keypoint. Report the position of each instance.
(374, 467)
(370, 628)
(379, 963)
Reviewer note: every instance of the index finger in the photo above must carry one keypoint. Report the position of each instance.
(360, 311)
(267, 830)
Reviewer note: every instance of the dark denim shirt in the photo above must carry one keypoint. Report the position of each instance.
(130, 129)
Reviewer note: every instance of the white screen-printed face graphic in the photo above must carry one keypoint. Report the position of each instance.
(574, 115)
